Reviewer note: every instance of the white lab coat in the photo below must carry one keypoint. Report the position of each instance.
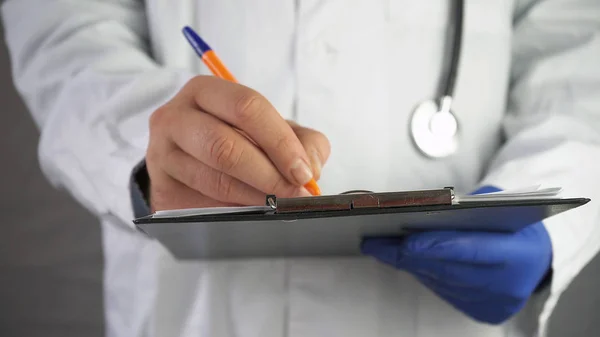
(92, 71)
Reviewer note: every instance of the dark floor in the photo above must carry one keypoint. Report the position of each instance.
(50, 252)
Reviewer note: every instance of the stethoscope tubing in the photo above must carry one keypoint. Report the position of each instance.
(434, 127)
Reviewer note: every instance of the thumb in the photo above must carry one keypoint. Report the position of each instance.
(316, 146)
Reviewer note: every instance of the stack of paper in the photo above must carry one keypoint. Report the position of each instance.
(208, 211)
(529, 193)
(533, 192)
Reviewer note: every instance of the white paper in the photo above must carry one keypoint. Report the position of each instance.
(207, 211)
(534, 192)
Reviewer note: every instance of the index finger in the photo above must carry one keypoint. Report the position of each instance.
(252, 113)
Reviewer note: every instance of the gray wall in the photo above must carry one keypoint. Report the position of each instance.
(50, 253)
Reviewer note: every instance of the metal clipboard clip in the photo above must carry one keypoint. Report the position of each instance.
(361, 200)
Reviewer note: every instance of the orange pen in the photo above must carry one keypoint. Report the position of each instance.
(217, 67)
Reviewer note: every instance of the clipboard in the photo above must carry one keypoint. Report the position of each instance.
(335, 225)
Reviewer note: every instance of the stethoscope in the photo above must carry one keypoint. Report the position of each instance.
(434, 127)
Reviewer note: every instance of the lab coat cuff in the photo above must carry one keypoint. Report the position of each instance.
(139, 184)
(561, 272)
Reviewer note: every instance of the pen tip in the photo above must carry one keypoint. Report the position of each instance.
(313, 188)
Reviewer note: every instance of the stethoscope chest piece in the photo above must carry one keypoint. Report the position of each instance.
(434, 129)
(433, 126)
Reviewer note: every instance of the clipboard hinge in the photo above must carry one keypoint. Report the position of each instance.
(366, 200)
(272, 201)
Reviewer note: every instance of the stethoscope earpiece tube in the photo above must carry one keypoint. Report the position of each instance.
(456, 49)
(434, 127)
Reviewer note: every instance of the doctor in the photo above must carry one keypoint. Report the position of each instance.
(329, 90)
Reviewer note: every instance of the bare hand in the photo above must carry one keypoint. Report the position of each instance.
(197, 156)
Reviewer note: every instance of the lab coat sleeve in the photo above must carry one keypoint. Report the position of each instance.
(84, 70)
(552, 127)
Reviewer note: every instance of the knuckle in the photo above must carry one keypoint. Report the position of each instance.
(284, 144)
(323, 140)
(249, 105)
(194, 86)
(224, 153)
(194, 82)
(158, 119)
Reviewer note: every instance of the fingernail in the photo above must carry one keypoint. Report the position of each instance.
(301, 172)
(316, 163)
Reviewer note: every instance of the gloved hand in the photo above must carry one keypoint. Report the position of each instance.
(488, 276)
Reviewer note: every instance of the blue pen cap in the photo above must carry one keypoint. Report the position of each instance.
(196, 41)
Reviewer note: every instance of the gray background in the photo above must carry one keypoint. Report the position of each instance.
(50, 252)
(51, 258)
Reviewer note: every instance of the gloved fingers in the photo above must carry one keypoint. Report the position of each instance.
(454, 274)
(387, 250)
(455, 292)
(459, 246)
(467, 275)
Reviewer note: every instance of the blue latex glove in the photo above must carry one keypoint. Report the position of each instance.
(488, 276)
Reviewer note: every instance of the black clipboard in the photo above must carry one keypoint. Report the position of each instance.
(334, 226)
